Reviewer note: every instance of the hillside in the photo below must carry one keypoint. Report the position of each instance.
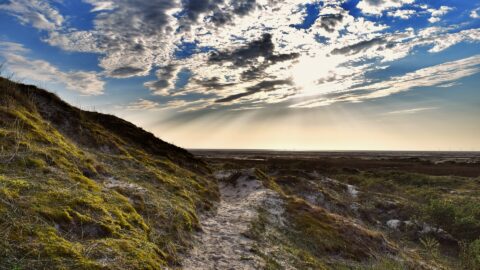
(84, 190)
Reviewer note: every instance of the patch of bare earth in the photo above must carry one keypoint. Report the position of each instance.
(223, 243)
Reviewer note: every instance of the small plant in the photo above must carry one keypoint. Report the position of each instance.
(459, 217)
(431, 246)
(470, 255)
(17, 128)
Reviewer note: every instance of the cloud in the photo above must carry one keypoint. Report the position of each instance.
(194, 8)
(254, 52)
(438, 75)
(448, 85)
(411, 111)
(142, 105)
(430, 76)
(83, 82)
(125, 72)
(136, 36)
(330, 22)
(246, 51)
(442, 41)
(402, 13)
(360, 46)
(474, 14)
(166, 76)
(132, 35)
(218, 12)
(187, 105)
(265, 86)
(101, 5)
(377, 7)
(37, 13)
(257, 56)
(437, 13)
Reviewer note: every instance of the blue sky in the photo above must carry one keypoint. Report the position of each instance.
(337, 74)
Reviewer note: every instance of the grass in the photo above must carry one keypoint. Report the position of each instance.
(450, 203)
(322, 236)
(313, 238)
(76, 193)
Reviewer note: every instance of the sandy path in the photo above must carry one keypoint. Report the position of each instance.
(222, 244)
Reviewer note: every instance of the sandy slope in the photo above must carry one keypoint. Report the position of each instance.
(222, 244)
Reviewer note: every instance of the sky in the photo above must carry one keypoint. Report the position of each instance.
(260, 74)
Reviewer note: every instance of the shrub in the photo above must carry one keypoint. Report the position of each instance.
(431, 246)
(461, 218)
(470, 255)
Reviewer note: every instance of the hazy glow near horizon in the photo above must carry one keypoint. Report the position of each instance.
(292, 74)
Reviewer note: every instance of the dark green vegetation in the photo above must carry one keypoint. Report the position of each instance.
(83, 190)
(449, 203)
(434, 217)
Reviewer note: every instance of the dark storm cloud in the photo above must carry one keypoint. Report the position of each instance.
(126, 71)
(165, 77)
(192, 10)
(136, 17)
(265, 86)
(243, 7)
(247, 56)
(243, 56)
(253, 73)
(250, 53)
(361, 46)
(330, 22)
(213, 83)
(220, 18)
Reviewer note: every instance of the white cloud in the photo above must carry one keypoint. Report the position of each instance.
(438, 75)
(142, 104)
(437, 13)
(448, 85)
(17, 62)
(444, 41)
(101, 5)
(402, 13)
(40, 14)
(474, 14)
(132, 36)
(430, 76)
(377, 7)
(411, 111)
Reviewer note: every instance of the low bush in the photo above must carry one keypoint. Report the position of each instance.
(470, 255)
(461, 218)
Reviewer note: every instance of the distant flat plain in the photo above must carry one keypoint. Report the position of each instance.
(430, 162)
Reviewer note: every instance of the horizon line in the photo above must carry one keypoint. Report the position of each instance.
(325, 150)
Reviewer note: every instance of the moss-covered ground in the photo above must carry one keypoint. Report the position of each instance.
(76, 193)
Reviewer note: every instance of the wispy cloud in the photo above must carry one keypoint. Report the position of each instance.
(411, 111)
(378, 7)
(142, 105)
(23, 66)
(39, 14)
(448, 85)
(438, 75)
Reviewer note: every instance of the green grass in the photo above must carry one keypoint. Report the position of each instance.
(79, 195)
